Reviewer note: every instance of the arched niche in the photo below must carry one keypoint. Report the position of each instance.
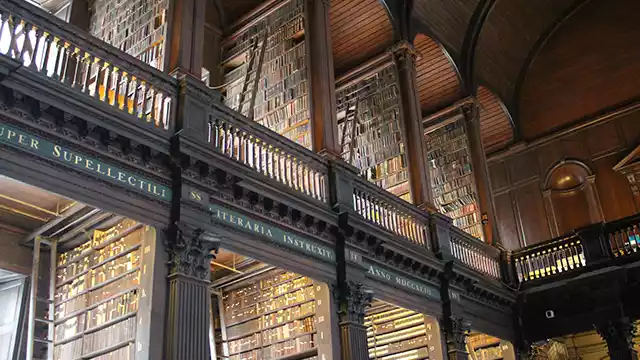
(570, 197)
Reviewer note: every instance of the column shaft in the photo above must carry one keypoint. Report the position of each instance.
(405, 58)
(186, 36)
(481, 174)
(321, 76)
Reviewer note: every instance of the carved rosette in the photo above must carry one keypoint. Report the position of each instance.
(353, 303)
(460, 329)
(189, 253)
(619, 336)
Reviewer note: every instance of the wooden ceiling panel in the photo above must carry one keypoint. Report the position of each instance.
(436, 77)
(509, 33)
(360, 29)
(589, 64)
(496, 130)
(446, 20)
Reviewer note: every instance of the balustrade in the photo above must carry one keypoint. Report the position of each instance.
(394, 214)
(270, 155)
(623, 236)
(54, 49)
(550, 258)
(474, 253)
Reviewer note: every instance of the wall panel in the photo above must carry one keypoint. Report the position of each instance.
(535, 227)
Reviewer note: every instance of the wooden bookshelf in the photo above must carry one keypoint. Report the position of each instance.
(369, 127)
(138, 28)
(452, 179)
(97, 297)
(265, 72)
(269, 317)
(397, 333)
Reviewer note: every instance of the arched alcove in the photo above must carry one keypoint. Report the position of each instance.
(437, 78)
(571, 197)
(496, 129)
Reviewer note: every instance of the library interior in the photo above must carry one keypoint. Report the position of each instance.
(319, 179)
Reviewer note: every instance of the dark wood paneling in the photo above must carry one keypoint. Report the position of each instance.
(600, 147)
(522, 167)
(572, 211)
(534, 220)
(498, 176)
(447, 20)
(613, 189)
(603, 139)
(495, 124)
(436, 77)
(509, 33)
(360, 29)
(507, 223)
(590, 63)
(629, 126)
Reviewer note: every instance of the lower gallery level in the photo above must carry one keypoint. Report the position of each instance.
(80, 282)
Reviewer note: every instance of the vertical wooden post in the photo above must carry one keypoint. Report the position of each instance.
(322, 88)
(80, 15)
(481, 173)
(186, 36)
(405, 58)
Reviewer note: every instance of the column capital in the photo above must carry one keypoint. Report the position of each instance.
(471, 111)
(404, 49)
(352, 301)
(190, 253)
(619, 335)
(460, 328)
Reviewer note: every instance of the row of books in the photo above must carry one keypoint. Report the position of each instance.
(235, 302)
(456, 203)
(284, 113)
(444, 135)
(293, 298)
(275, 351)
(126, 353)
(455, 183)
(367, 156)
(396, 333)
(288, 82)
(269, 320)
(117, 333)
(461, 211)
(454, 194)
(284, 33)
(466, 220)
(273, 335)
(280, 99)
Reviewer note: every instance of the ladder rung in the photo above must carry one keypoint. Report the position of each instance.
(42, 300)
(44, 341)
(46, 321)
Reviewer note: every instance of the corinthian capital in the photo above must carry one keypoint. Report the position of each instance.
(190, 253)
(352, 301)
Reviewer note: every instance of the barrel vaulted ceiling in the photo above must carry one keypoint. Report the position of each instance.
(501, 44)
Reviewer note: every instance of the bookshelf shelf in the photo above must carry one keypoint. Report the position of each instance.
(285, 328)
(266, 75)
(370, 132)
(452, 182)
(100, 321)
(397, 332)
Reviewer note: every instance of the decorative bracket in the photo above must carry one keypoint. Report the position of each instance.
(189, 253)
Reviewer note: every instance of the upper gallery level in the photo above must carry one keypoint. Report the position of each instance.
(334, 101)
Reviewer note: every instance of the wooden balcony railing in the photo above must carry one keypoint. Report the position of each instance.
(623, 236)
(270, 154)
(552, 257)
(93, 69)
(475, 253)
(390, 212)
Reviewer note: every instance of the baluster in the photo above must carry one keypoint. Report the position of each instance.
(4, 18)
(87, 63)
(67, 66)
(271, 162)
(307, 180)
(98, 81)
(26, 28)
(76, 62)
(34, 56)
(47, 50)
(56, 67)
(11, 52)
(259, 147)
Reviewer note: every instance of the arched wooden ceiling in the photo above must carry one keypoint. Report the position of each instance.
(360, 29)
(496, 130)
(436, 77)
(591, 63)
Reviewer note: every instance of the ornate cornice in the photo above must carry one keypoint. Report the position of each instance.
(189, 253)
(352, 302)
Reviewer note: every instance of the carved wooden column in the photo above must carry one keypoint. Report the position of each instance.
(190, 254)
(405, 58)
(481, 174)
(323, 91)
(619, 335)
(185, 36)
(456, 330)
(352, 302)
